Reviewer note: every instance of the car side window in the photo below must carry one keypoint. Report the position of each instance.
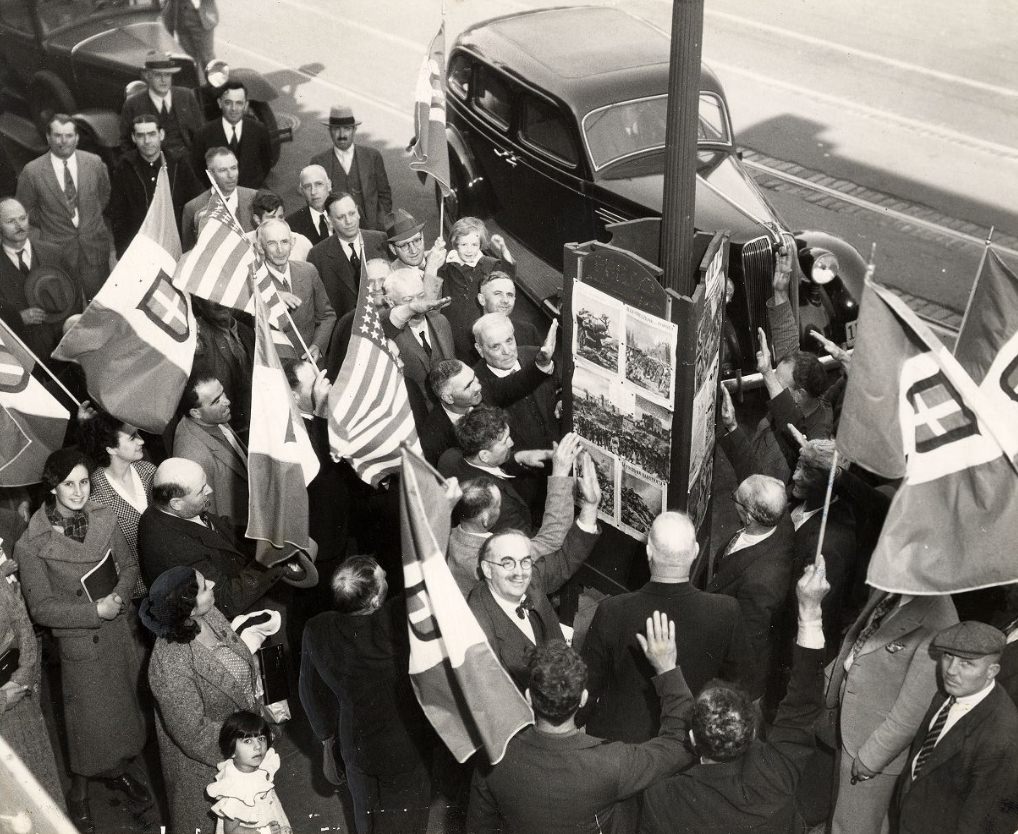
(492, 97)
(545, 129)
(460, 68)
(15, 14)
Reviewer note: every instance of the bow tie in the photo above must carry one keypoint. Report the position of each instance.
(523, 608)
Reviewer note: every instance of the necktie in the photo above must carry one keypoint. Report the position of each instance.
(424, 341)
(932, 735)
(21, 263)
(524, 608)
(234, 141)
(323, 227)
(69, 190)
(164, 111)
(883, 608)
(355, 261)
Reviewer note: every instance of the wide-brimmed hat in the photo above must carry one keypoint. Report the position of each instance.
(341, 116)
(51, 290)
(402, 226)
(160, 62)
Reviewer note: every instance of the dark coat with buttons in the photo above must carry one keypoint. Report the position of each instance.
(100, 660)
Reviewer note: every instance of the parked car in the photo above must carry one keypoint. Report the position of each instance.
(556, 129)
(78, 57)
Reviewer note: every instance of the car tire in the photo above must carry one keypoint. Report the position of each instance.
(262, 111)
(48, 94)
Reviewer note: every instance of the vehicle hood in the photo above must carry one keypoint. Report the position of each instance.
(726, 198)
(120, 43)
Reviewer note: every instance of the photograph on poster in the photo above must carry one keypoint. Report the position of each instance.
(647, 439)
(597, 327)
(606, 466)
(699, 493)
(708, 339)
(597, 410)
(701, 440)
(650, 354)
(642, 500)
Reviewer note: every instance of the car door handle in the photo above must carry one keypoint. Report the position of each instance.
(508, 156)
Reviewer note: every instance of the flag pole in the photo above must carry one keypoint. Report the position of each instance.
(251, 270)
(975, 283)
(43, 365)
(827, 504)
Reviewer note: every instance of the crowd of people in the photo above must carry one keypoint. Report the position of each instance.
(695, 703)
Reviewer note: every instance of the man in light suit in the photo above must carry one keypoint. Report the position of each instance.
(221, 164)
(194, 27)
(205, 437)
(356, 169)
(300, 288)
(425, 339)
(961, 774)
(176, 108)
(312, 220)
(339, 258)
(65, 193)
(879, 688)
(242, 134)
(511, 602)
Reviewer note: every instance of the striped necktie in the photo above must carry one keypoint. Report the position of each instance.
(70, 191)
(932, 736)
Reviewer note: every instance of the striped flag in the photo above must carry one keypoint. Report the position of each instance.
(467, 696)
(32, 421)
(369, 410)
(281, 461)
(430, 151)
(912, 411)
(136, 340)
(218, 269)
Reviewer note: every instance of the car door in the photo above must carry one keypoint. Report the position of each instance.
(491, 106)
(21, 51)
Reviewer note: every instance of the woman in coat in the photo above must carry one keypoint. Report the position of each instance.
(99, 644)
(200, 674)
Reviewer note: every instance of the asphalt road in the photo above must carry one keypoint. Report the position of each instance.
(903, 103)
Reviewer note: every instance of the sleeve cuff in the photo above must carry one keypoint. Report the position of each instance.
(811, 634)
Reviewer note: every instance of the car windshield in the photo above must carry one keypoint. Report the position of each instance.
(629, 128)
(55, 14)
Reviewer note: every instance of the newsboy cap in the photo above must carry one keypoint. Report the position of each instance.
(970, 639)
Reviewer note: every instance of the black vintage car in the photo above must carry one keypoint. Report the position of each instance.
(556, 129)
(78, 57)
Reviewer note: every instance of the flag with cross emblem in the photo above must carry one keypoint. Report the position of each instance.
(136, 340)
(912, 411)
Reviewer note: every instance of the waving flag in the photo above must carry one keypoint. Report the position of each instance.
(136, 340)
(468, 697)
(32, 421)
(369, 410)
(430, 150)
(912, 411)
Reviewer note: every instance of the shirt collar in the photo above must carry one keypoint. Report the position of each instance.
(344, 156)
(158, 102)
(228, 129)
(13, 253)
(58, 163)
(976, 697)
(502, 374)
(497, 471)
(453, 416)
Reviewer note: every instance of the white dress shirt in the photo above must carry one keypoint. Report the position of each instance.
(159, 101)
(13, 254)
(229, 129)
(503, 374)
(345, 158)
(523, 625)
(744, 540)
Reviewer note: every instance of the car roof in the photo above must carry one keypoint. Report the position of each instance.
(587, 56)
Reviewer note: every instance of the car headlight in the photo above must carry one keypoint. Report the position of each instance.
(217, 72)
(819, 265)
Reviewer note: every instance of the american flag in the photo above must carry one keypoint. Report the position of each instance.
(219, 266)
(369, 411)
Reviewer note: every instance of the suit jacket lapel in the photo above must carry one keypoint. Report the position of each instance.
(215, 674)
(221, 449)
(56, 186)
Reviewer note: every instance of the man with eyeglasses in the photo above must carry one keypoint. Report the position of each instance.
(511, 602)
(406, 243)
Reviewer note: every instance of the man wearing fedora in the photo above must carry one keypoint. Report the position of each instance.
(245, 136)
(356, 169)
(177, 110)
(194, 23)
(36, 296)
(406, 243)
(134, 177)
(962, 769)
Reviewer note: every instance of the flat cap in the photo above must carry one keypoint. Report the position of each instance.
(970, 639)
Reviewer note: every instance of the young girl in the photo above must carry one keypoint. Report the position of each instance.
(247, 801)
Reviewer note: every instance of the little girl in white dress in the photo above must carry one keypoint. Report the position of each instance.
(246, 800)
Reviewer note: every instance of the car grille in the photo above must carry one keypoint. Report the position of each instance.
(757, 276)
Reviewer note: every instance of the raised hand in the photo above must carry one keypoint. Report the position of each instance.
(565, 453)
(763, 355)
(659, 644)
(547, 352)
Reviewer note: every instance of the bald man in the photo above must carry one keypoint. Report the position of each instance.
(624, 704)
(755, 567)
(176, 529)
(311, 220)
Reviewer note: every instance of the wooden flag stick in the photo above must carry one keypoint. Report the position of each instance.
(827, 504)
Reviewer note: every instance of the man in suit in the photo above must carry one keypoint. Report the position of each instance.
(221, 165)
(312, 220)
(226, 348)
(267, 206)
(174, 109)
(194, 24)
(204, 436)
(623, 706)
(425, 339)
(19, 255)
(246, 137)
(496, 293)
(961, 774)
(134, 181)
(356, 169)
(177, 529)
(532, 418)
(879, 687)
(339, 258)
(511, 602)
(300, 289)
(456, 392)
(65, 193)
(556, 778)
(755, 567)
(740, 781)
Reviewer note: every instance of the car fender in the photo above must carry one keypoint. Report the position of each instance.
(258, 87)
(102, 125)
(474, 181)
(852, 267)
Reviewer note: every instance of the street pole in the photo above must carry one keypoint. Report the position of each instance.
(680, 147)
